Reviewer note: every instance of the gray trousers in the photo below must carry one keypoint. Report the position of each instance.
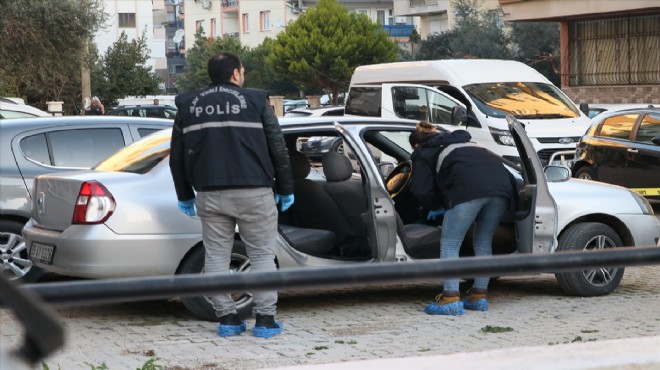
(255, 213)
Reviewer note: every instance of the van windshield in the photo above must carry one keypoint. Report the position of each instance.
(522, 99)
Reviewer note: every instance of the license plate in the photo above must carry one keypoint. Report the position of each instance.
(42, 253)
(568, 164)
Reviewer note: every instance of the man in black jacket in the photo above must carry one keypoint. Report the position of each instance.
(468, 184)
(228, 147)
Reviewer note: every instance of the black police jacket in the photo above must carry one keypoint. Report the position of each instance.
(226, 137)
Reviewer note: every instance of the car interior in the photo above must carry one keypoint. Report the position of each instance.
(330, 217)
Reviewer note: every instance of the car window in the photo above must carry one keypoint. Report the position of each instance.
(147, 131)
(364, 101)
(35, 148)
(84, 147)
(410, 102)
(139, 157)
(441, 107)
(618, 127)
(649, 128)
(522, 99)
(15, 114)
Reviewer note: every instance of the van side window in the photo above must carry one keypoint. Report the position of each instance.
(441, 108)
(410, 102)
(364, 101)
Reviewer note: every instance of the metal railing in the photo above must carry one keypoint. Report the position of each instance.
(619, 51)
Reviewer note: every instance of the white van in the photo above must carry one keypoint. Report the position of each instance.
(488, 88)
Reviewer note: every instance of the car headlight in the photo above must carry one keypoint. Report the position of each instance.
(643, 204)
(502, 137)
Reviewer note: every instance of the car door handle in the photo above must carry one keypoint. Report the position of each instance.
(630, 150)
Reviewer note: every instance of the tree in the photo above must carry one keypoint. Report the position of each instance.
(122, 71)
(325, 44)
(198, 56)
(41, 65)
(537, 44)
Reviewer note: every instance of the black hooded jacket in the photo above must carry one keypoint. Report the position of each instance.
(467, 172)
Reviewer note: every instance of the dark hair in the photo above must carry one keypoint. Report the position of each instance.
(221, 67)
(424, 131)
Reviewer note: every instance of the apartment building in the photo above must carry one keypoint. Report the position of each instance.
(252, 21)
(134, 17)
(610, 50)
(435, 16)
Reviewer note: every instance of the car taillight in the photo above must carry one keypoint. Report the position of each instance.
(94, 205)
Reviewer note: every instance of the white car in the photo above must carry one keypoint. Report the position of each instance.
(121, 218)
(11, 108)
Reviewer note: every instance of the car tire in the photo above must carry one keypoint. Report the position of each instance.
(202, 307)
(588, 236)
(15, 264)
(338, 146)
(586, 173)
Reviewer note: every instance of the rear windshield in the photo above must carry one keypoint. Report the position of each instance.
(141, 156)
(522, 99)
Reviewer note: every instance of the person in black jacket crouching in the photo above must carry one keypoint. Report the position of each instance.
(227, 145)
(468, 184)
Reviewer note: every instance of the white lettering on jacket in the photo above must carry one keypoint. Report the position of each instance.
(218, 109)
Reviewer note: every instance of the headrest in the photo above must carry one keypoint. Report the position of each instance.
(337, 167)
(300, 165)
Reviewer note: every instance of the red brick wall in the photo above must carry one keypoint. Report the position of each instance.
(630, 94)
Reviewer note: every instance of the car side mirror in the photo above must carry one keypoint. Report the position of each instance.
(584, 108)
(557, 173)
(656, 140)
(458, 115)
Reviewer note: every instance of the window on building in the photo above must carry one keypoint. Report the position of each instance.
(214, 28)
(126, 20)
(264, 20)
(380, 17)
(362, 11)
(616, 51)
(390, 17)
(246, 23)
(200, 25)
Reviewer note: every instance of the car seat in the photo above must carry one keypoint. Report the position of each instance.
(313, 207)
(419, 240)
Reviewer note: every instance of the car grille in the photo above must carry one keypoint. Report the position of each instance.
(555, 140)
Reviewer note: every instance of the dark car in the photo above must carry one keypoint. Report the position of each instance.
(144, 110)
(35, 146)
(623, 148)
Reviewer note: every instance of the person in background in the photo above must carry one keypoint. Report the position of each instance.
(95, 108)
(469, 185)
(227, 145)
(156, 102)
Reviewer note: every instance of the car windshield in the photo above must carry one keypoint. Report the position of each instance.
(141, 156)
(522, 99)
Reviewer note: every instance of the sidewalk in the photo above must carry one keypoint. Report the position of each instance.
(621, 354)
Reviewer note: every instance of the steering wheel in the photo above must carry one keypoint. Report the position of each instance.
(399, 178)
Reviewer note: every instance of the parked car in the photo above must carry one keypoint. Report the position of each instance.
(120, 219)
(289, 104)
(623, 148)
(12, 108)
(328, 110)
(33, 146)
(144, 110)
(316, 146)
(592, 110)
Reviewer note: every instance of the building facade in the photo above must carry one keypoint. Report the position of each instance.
(610, 50)
(435, 16)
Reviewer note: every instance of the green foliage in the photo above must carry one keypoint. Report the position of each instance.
(39, 64)
(151, 364)
(325, 44)
(537, 44)
(198, 56)
(122, 71)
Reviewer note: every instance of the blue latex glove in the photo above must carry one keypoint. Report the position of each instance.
(435, 213)
(187, 207)
(285, 201)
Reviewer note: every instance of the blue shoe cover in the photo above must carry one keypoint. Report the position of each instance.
(231, 330)
(478, 305)
(263, 332)
(454, 308)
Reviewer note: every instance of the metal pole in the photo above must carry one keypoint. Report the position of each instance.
(161, 287)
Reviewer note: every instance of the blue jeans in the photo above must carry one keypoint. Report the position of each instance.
(486, 214)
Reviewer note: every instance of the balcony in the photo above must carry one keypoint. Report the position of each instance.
(399, 30)
(229, 3)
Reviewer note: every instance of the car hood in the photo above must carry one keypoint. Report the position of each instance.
(576, 198)
(555, 127)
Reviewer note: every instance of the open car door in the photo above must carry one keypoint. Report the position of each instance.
(536, 218)
(381, 215)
